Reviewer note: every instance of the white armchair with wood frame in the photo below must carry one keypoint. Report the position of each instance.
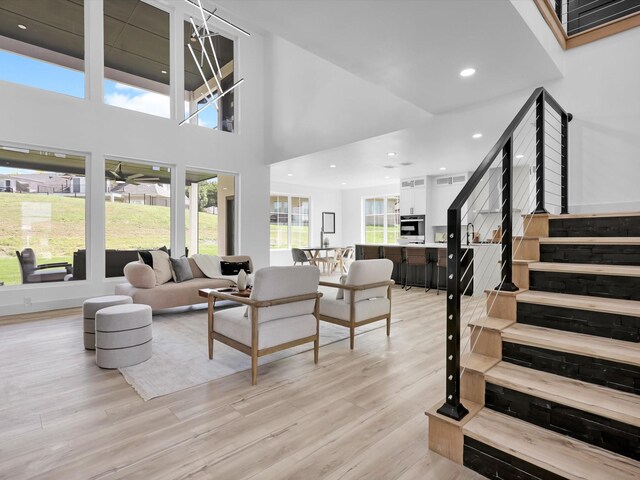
(363, 298)
(282, 313)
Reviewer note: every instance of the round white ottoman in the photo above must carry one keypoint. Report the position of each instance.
(123, 335)
(89, 309)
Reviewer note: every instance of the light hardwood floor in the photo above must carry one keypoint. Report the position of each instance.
(357, 414)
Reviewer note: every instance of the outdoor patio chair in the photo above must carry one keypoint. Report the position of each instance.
(46, 272)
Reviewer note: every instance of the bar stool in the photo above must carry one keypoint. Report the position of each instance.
(370, 252)
(417, 257)
(442, 263)
(398, 255)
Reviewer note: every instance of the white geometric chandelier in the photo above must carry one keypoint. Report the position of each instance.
(202, 35)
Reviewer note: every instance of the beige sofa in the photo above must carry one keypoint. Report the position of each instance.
(171, 294)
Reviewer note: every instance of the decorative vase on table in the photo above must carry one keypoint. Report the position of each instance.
(242, 280)
(325, 243)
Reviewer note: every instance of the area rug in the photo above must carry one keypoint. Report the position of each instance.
(180, 354)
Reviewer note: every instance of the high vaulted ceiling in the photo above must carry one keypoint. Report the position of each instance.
(413, 48)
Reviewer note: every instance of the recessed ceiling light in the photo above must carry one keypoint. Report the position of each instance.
(163, 71)
(387, 177)
(22, 27)
(332, 166)
(477, 135)
(289, 174)
(467, 72)
(343, 183)
(443, 168)
(519, 156)
(391, 154)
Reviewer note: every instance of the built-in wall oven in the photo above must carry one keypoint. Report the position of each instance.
(412, 229)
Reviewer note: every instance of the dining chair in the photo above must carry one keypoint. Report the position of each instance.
(299, 256)
(348, 257)
(330, 262)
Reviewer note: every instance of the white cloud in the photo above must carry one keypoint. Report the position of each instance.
(139, 100)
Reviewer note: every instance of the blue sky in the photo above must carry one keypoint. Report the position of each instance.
(35, 73)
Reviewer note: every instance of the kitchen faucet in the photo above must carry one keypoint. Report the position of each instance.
(472, 232)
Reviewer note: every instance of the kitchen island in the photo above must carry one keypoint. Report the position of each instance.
(480, 266)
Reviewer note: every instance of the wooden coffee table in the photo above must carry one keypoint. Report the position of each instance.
(204, 292)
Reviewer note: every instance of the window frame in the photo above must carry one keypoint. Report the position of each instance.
(385, 216)
(289, 198)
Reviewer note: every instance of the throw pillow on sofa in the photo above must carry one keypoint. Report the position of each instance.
(146, 256)
(180, 269)
(160, 264)
(233, 268)
(140, 275)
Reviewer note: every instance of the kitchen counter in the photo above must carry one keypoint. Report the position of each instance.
(432, 245)
(484, 274)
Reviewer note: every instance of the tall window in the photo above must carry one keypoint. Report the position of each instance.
(138, 200)
(136, 57)
(381, 219)
(42, 44)
(289, 222)
(213, 59)
(209, 219)
(42, 226)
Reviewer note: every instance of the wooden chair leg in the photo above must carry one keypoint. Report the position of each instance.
(316, 348)
(210, 327)
(352, 337)
(388, 325)
(254, 369)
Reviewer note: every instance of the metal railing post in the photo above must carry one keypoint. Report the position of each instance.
(540, 143)
(452, 407)
(507, 212)
(564, 162)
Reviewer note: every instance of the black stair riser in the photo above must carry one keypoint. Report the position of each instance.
(619, 376)
(607, 325)
(595, 227)
(612, 435)
(593, 285)
(498, 465)
(595, 254)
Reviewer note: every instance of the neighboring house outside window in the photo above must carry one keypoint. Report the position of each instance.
(381, 219)
(288, 221)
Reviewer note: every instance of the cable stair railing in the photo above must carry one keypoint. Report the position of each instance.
(576, 22)
(525, 173)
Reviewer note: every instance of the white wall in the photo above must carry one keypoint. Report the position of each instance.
(39, 118)
(600, 88)
(352, 212)
(313, 105)
(322, 200)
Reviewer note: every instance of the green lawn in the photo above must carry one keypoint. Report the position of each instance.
(56, 229)
(299, 236)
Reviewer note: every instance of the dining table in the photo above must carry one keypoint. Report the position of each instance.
(316, 257)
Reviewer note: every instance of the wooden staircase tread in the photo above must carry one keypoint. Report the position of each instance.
(576, 343)
(588, 268)
(492, 323)
(476, 362)
(504, 292)
(551, 451)
(594, 215)
(582, 302)
(612, 404)
(523, 262)
(591, 240)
